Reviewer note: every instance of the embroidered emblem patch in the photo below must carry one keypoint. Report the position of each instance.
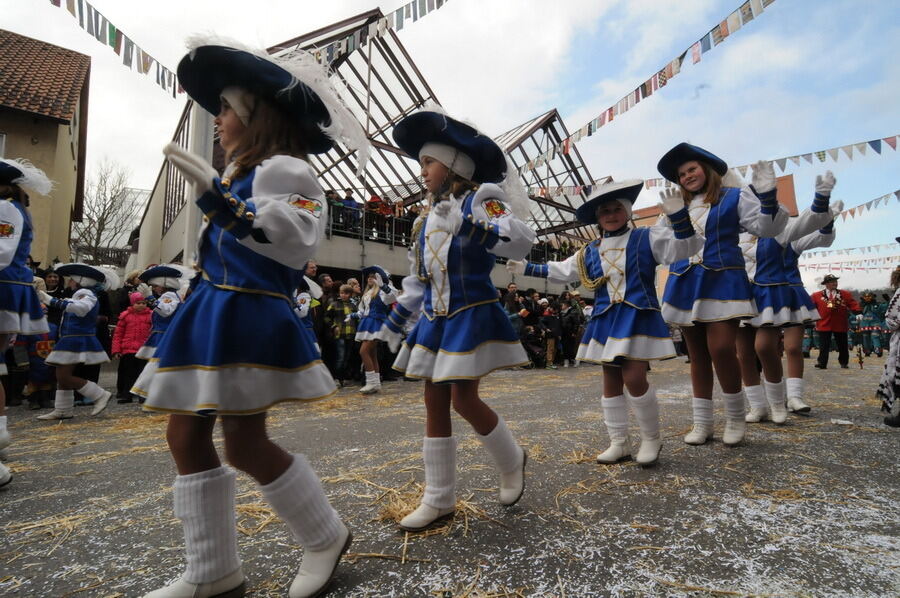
(313, 206)
(7, 230)
(167, 300)
(43, 348)
(494, 208)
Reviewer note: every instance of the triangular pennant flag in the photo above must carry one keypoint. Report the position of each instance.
(853, 211)
(861, 148)
(897, 193)
(742, 170)
(820, 155)
(782, 162)
(891, 141)
(869, 205)
(844, 216)
(876, 145)
(848, 149)
(808, 158)
(833, 152)
(795, 160)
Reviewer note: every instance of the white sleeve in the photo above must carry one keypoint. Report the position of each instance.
(81, 303)
(511, 237)
(564, 271)
(11, 222)
(812, 241)
(754, 221)
(667, 248)
(807, 222)
(390, 296)
(413, 288)
(167, 304)
(290, 209)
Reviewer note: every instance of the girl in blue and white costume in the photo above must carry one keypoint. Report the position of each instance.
(235, 348)
(463, 333)
(778, 305)
(626, 330)
(165, 282)
(78, 342)
(20, 308)
(708, 294)
(374, 308)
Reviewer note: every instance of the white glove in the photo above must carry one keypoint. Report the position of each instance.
(394, 340)
(379, 282)
(441, 208)
(194, 168)
(763, 178)
(348, 318)
(825, 183)
(836, 208)
(672, 201)
(859, 317)
(45, 297)
(516, 266)
(451, 215)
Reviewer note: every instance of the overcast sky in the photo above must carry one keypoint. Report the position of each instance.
(806, 75)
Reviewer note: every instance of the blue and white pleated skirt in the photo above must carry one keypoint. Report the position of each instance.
(20, 309)
(466, 346)
(806, 301)
(77, 348)
(625, 332)
(700, 295)
(148, 349)
(370, 328)
(779, 305)
(233, 353)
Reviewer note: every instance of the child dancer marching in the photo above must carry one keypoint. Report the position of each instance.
(463, 333)
(778, 306)
(626, 330)
(78, 343)
(20, 307)
(373, 311)
(165, 281)
(236, 347)
(708, 294)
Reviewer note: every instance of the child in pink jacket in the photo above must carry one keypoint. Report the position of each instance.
(131, 333)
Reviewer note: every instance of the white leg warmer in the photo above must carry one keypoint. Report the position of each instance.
(794, 388)
(204, 502)
(646, 412)
(298, 498)
(439, 455)
(703, 411)
(756, 396)
(615, 416)
(92, 391)
(64, 400)
(502, 447)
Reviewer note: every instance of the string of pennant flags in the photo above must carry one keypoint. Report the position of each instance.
(840, 267)
(746, 12)
(136, 58)
(849, 150)
(850, 250)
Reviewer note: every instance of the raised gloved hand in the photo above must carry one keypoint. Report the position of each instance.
(194, 168)
(672, 201)
(45, 297)
(450, 213)
(516, 266)
(763, 178)
(825, 183)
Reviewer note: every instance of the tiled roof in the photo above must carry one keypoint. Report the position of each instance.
(40, 78)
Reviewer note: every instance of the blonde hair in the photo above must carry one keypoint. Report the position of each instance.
(713, 185)
(346, 288)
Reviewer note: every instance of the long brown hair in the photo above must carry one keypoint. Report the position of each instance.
(454, 185)
(13, 192)
(712, 189)
(268, 132)
(895, 278)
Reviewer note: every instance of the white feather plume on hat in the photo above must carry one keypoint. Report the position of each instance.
(304, 67)
(32, 176)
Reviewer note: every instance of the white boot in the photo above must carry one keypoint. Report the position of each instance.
(576, 363)
(615, 415)
(4, 433)
(775, 397)
(94, 392)
(204, 502)
(373, 383)
(759, 408)
(63, 406)
(646, 412)
(298, 498)
(795, 402)
(510, 459)
(439, 500)
(703, 422)
(735, 411)
(565, 363)
(5, 475)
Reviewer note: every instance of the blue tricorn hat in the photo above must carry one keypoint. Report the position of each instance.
(164, 276)
(25, 174)
(685, 152)
(425, 126)
(385, 275)
(623, 190)
(207, 70)
(81, 270)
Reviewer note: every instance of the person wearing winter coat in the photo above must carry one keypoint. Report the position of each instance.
(132, 331)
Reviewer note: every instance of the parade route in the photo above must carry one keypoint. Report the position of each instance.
(805, 509)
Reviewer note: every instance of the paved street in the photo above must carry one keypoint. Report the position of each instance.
(807, 509)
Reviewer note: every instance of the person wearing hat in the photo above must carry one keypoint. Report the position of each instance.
(871, 323)
(20, 307)
(709, 293)
(626, 330)
(78, 343)
(164, 281)
(236, 348)
(463, 333)
(779, 308)
(793, 336)
(835, 306)
(374, 306)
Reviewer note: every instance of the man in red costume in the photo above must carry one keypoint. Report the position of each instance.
(834, 307)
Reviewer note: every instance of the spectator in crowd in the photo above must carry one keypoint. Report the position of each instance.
(120, 300)
(512, 304)
(55, 287)
(336, 209)
(338, 317)
(351, 210)
(552, 327)
(834, 307)
(572, 324)
(531, 309)
(325, 281)
(132, 331)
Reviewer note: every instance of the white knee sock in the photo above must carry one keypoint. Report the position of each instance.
(298, 498)
(734, 405)
(646, 412)
(204, 502)
(439, 455)
(615, 416)
(92, 390)
(756, 395)
(2, 423)
(703, 411)
(794, 387)
(502, 447)
(64, 399)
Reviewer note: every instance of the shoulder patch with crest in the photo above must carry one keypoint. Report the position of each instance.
(7, 229)
(494, 208)
(313, 206)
